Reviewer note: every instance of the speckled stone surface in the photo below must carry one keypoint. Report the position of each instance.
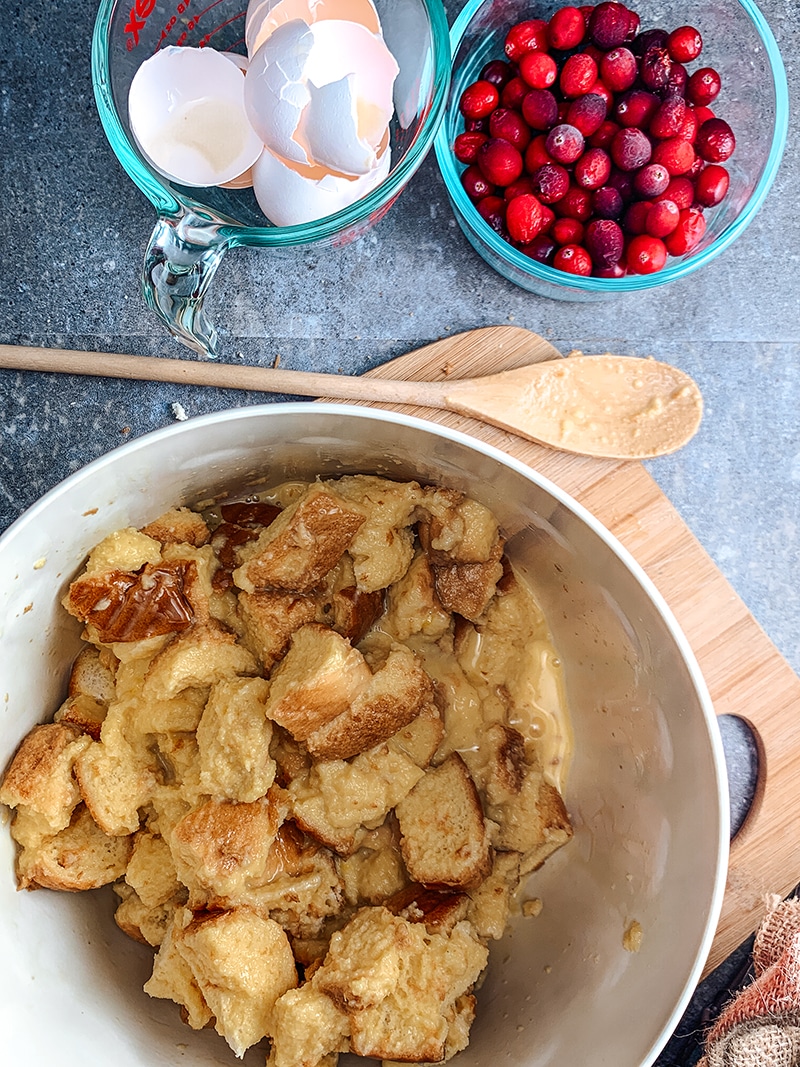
(74, 232)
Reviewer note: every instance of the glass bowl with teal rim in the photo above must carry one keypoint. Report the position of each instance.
(737, 42)
(196, 226)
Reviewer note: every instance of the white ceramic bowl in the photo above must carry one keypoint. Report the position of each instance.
(646, 792)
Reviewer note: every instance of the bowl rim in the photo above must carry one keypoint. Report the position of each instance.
(168, 201)
(196, 425)
(633, 282)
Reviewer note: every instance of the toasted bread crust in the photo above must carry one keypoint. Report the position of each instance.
(179, 526)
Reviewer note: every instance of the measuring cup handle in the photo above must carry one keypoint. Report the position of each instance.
(179, 265)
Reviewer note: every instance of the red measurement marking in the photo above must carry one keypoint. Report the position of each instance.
(190, 25)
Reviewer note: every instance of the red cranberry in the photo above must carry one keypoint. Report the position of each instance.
(688, 130)
(678, 80)
(618, 69)
(634, 221)
(573, 260)
(578, 75)
(567, 231)
(675, 154)
(601, 89)
(604, 134)
(715, 141)
(542, 248)
(498, 73)
(703, 86)
(609, 25)
(540, 109)
(499, 161)
(528, 36)
(479, 100)
(668, 119)
(517, 188)
(662, 218)
(703, 113)
(616, 270)
(651, 180)
(633, 26)
(712, 185)
(564, 143)
(538, 69)
(622, 181)
(685, 44)
(604, 242)
(607, 203)
(524, 218)
(493, 210)
(551, 182)
(593, 169)
(466, 145)
(691, 227)
(566, 28)
(630, 149)
(536, 155)
(655, 68)
(587, 113)
(475, 185)
(510, 125)
(644, 40)
(636, 108)
(513, 93)
(646, 254)
(576, 204)
(680, 191)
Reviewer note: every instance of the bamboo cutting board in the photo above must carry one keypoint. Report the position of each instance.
(745, 673)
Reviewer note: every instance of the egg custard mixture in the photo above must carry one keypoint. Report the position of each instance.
(314, 741)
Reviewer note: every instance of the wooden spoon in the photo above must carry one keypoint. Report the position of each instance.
(614, 407)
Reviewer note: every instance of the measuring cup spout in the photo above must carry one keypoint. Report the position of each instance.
(181, 260)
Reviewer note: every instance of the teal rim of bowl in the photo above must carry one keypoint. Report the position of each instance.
(636, 282)
(167, 202)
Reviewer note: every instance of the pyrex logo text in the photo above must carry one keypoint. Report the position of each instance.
(140, 12)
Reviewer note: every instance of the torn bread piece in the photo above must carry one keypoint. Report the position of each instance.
(308, 1030)
(457, 529)
(393, 698)
(148, 925)
(40, 777)
(398, 983)
(412, 605)
(220, 849)
(467, 588)
(444, 838)
(200, 657)
(179, 526)
(269, 618)
(77, 858)
(318, 678)
(233, 739)
(213, 946)
(301, 546)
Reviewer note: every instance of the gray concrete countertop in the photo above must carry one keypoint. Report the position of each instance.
(74, 232)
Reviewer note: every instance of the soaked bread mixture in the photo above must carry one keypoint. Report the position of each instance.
(315, 741)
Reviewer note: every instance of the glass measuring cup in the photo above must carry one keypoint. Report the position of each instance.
(195, 227)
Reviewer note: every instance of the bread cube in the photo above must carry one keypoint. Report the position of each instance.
(318, 678)
(78, 857)
(172, 977)
(178, 526)
(40, 777)
(200, 657)
(307, 1027)
(467, 588)
(151, 870)
(445, 841)
(412, 606)
(304, 542)
(393, 698)
(457, 529)
(146, 924)
(233, 740)
(269, 618)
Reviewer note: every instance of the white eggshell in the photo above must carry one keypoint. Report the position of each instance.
(264, 16)
(322, 94)
(293, 195)
(186, 110)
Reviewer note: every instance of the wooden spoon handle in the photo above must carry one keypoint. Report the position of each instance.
(221, 375)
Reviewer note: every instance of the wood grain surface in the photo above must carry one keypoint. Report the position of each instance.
(745, 673)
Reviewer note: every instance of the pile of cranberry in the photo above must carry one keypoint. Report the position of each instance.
(591, 148)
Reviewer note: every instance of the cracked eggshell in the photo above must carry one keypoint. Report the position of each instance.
(322, 94)
(264, 16)
(187, 114)
(291, 195)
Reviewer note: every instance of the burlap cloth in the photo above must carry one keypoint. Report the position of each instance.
(761, 1026)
